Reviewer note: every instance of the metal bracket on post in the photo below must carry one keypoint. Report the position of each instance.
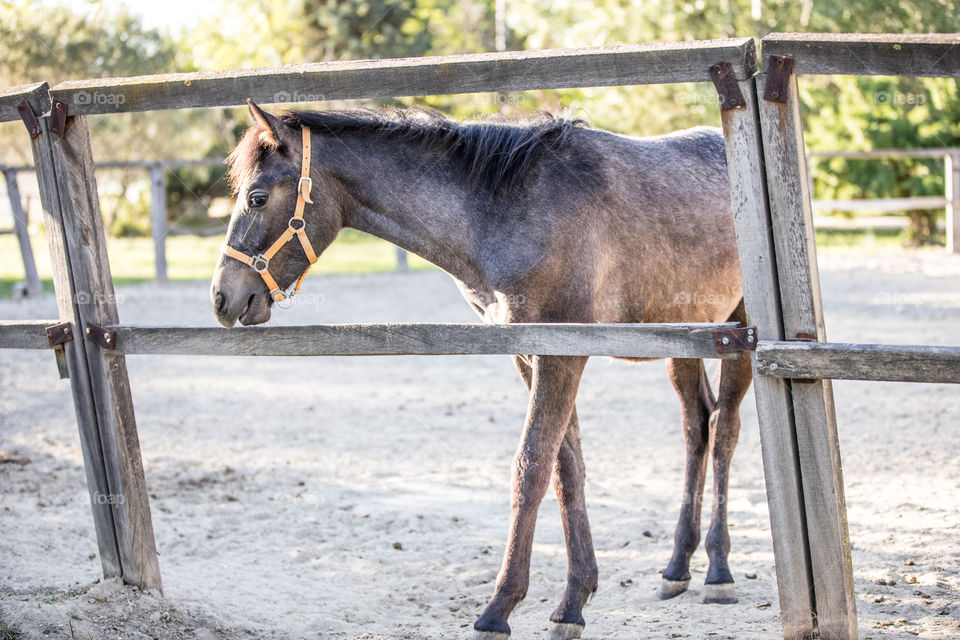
(29, 119)
(58, 117)
(735, 340)
(101, 335)
(725, 80)
(778, 71)
(57, 336)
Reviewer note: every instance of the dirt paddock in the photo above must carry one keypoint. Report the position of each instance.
(367, 497)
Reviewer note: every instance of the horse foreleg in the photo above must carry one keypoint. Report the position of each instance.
(553, 390)
(685, 375)
(569, 475)
(735, 377)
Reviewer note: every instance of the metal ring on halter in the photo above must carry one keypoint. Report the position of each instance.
(294, 219)
(260, 260)
(285, 302)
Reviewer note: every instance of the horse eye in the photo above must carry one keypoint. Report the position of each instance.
(257, 199)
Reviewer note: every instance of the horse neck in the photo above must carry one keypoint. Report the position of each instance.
(402, 194)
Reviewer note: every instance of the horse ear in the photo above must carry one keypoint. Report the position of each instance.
(271, 124)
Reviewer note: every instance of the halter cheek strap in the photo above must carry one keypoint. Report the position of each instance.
(295, 227)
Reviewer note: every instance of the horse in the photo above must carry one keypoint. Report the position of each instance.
(544, 221)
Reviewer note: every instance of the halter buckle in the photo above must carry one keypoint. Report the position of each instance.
(260, 264)
(293, 226)
(305, 193)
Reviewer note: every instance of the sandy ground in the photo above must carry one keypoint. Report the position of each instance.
(367, 497)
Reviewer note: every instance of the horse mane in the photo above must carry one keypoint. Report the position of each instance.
(494, 154)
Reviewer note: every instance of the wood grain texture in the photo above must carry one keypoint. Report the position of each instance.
(32, 278)
(818, 447)
(95, 302)
(624, 340)
(75, 355)
(10, 100)
(24, 334)
(655, 63)
(840, 361)
(865, 54)
(777, 438)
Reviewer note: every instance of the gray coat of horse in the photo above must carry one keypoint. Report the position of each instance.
(544, 222)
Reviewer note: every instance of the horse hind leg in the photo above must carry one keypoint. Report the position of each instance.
(567, 622)
(735, 378)
(696, 402)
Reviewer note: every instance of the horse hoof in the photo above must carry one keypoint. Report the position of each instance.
(565, 631)
(490, 635)
(720, 594)
(672, 588)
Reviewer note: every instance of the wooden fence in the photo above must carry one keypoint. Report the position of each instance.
(950, 200)
(772, 211)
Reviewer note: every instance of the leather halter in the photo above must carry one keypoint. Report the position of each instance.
(295, 227)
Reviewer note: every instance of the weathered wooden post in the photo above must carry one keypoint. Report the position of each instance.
(758, 268)
(158, 219)
(86, 302)
(814, 417)
(34, 286)
(952, 170)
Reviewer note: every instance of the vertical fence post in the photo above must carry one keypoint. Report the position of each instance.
(158, 220)
(952, 169)
(78, 243)
(74, 351)
(34, 286)
(402, 264)
(813, 409)
(741, 130)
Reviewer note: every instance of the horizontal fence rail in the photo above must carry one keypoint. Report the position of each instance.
(883, 204)
(868, 54)
(840, 361)
(695, 340)
(10, 100)
(878, 154)
(656, 63)
(25, 334)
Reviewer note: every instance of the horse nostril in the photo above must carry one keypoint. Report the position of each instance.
(219, 302)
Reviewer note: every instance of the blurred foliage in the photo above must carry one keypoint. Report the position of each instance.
(58, 41)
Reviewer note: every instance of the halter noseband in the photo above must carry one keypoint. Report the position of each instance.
(295, 227)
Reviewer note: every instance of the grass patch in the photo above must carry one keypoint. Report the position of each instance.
(7, 632)
(193, 258)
